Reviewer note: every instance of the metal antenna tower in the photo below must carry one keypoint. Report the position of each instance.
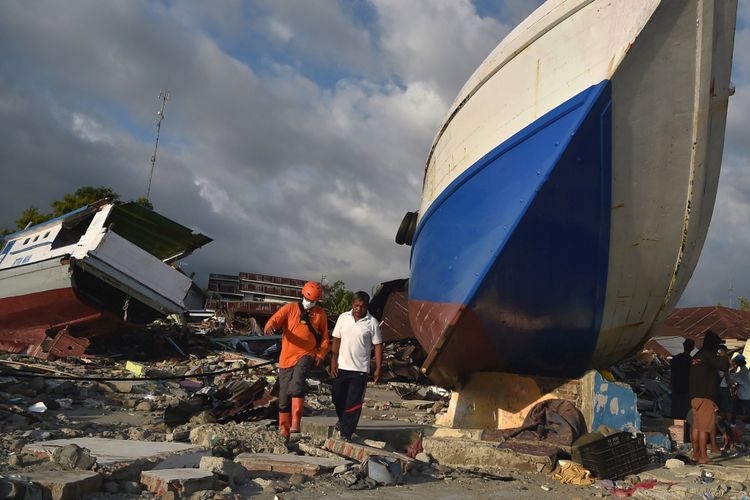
(164, 97)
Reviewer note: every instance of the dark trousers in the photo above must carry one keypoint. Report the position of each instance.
(292, 382)
(680, 405)
(348, 394)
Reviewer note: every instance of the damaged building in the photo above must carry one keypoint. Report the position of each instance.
(100, 268)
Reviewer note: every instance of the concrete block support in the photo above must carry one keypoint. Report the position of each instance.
(492, 400)
(469, 453)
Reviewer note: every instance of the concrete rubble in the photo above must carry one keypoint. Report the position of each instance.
(180, 481)
(289, 464)
(180, 436)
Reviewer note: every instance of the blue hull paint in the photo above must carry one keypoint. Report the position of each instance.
(521, 238)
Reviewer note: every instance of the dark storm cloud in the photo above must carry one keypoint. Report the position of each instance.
(288, 176)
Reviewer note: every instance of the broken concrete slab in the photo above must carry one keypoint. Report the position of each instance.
(226, 469)
(398, 435)
(66, 485)
(447, 432)
(252, 436)
(179, 481)
(120, 459)
(314, 451)
(112, 451)
(288, 463)
(187, 460)
(471, 453)
(360, 452)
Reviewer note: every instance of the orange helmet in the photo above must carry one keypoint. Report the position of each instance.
(312, 291)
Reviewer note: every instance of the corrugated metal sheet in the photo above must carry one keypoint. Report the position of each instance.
(693, 321)
(390, 306)
(732, 325)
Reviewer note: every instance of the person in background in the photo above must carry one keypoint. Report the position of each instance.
(304, 343)
(726, 408)
(355, 335)
(741, 377)
(704, 393)
(680, 367)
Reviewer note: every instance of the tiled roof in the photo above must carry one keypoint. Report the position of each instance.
(691, 322)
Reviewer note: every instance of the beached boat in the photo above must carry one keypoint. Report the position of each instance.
(568, 193)
(91, 271)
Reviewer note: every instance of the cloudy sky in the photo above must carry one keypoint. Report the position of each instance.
(296, 132)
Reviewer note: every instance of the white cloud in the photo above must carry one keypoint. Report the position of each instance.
(440, 42)
(88, 129)
(280, 30)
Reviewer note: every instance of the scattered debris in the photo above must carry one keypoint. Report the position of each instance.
(204, 423)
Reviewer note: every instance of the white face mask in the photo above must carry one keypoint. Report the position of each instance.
(307, 304)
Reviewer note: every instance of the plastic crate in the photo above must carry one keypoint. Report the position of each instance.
(615, 456)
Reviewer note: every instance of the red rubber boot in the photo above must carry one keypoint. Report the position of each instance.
(285, 420)
(298, 407)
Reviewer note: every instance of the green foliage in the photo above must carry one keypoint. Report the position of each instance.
(82, 196)
(744, 304)
(31, 216)
(143, 201)
(85, 195)
(337, 298)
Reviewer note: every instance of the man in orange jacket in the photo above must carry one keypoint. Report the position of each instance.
(304, 343)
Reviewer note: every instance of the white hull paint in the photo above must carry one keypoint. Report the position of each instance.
(669, 66)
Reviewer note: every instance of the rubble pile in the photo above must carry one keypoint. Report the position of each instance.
(649, 375)
(110, 424)
(203, 426)
(39, 402)
(401, 361)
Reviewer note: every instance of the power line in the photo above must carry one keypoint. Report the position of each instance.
(22, 374)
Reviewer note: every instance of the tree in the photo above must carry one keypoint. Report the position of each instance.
(337, 298)
(85, 195)
(31, 216)
(744, 304)
(143, 201)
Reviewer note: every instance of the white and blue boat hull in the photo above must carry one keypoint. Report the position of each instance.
(568, 194)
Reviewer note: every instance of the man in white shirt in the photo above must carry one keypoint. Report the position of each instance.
(354, 336)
